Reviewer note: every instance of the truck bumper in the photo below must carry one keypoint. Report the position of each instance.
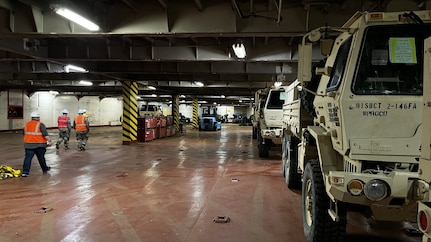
(396, 204)
(272, 134)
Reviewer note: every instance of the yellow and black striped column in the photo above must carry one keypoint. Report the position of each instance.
(130, 112)
(176, 112)
(195, 116)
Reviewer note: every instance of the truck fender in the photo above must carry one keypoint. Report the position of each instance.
(329, 159)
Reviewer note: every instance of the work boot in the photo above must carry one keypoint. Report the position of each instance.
(47, 169)
(57, 146)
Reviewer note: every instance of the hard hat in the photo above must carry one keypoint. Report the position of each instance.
(65, 111)
(84, 110)
(81, 111)
(35, 114)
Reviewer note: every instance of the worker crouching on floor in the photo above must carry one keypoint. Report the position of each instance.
(64, 127)
(82, 127)
(36, 139)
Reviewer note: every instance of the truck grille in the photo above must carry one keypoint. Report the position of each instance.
(352, 166)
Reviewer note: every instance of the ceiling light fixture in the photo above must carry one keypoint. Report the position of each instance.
(151, 88)
(239, 50)
(76, 18)
(277, 84)
(72, 68)
(85, 83)
(199, 84)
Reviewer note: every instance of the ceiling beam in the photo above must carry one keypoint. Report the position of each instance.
(199, 5)
(130, 5)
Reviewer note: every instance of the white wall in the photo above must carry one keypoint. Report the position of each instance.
(100, 111)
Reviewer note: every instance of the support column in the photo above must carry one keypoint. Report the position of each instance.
(176, 112)
(130, 112)
(195, 116)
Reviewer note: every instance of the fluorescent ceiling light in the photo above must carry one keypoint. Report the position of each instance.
(222, 96)
(72, 68)
(151, 88)
(153, 95)
(85, 83)
(76, 18)
(182, 96)
(199, 84)
(239, 50)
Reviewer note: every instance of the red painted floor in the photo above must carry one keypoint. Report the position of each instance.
(169, 189)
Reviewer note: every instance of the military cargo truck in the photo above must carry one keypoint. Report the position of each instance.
(269, 121)
(353, 122)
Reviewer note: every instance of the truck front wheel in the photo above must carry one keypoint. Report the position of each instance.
(263, 147)
(318, 225)
(290, 162)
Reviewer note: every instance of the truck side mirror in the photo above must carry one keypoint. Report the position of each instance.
(305, 62)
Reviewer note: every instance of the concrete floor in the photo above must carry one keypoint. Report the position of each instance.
(164, 190)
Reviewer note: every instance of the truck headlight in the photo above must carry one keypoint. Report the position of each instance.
(270, 133)
(376, 190)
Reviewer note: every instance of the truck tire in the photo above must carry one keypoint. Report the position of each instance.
(284, 154)
(263, 148)
(318, 225)
(290, 162)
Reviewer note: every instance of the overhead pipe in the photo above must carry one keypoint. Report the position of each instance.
(278, 6)
(279, 11)
(238, 10)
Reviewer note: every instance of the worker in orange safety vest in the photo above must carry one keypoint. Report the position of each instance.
(64, 128)
(82, 127)
(36, 139)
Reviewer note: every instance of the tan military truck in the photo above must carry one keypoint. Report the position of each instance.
(353, 122)
(259, 103)
(150, 110)
(269, 121)
(423, 185)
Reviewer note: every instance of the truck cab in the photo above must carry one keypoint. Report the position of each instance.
(150, 110)
(270, 123)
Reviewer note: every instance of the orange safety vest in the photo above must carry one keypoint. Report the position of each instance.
(62, 122)
(32, 132)
(80, 123)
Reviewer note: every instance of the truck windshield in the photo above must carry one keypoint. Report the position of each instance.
(390, 60)
(276, 100)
